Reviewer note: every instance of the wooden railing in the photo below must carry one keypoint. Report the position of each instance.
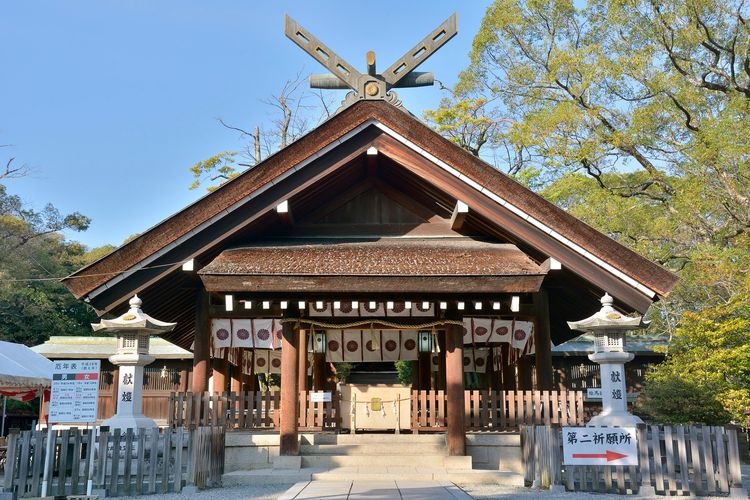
(673, 460)
(79, 462)
(249, 410)
(498, 410)
(484, 410)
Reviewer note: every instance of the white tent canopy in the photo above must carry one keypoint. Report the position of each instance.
(22, 368)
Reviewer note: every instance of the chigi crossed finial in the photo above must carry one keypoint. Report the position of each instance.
(371, 85)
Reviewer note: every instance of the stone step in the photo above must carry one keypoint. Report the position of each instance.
(382, 460)
(464, 477)
(374, 449)
(373, 438)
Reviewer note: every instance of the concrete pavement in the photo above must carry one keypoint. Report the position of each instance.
(386, 489)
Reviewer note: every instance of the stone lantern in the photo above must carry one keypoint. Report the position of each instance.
(133, 330)
(609, 327)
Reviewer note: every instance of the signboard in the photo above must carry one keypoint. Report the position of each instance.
(320, 397)
(594, 393)
(75, 391)
(600, 446)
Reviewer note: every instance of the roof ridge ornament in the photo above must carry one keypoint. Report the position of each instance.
(371, 85)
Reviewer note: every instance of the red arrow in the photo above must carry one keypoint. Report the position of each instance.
(610, 455)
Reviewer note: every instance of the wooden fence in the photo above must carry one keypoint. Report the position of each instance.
(673, 460)
(498, 410)
(78, 462)
(249, 410)
(485, 410)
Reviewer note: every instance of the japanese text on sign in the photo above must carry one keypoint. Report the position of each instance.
(75, 391)
(600, 446)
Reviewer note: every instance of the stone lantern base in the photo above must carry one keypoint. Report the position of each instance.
(134, 422)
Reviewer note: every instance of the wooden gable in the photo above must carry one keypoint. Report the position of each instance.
(412, 187)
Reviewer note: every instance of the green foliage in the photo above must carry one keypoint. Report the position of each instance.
(221, 166)
(706, 376)
(635, 117)
(343, 370)
(33, 303)
(403, 371)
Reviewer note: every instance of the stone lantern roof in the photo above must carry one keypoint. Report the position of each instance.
(133, 321)
(608, 319)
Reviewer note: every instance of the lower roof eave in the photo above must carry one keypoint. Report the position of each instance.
(317, 285)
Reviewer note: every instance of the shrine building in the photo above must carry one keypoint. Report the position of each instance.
(372, 239)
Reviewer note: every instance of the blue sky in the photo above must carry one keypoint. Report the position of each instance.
(110, 103)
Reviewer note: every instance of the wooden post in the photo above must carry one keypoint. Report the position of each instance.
(509, 370)
(524, 373)
(425, 370)
(236, 380)
(542, 342)
(441, 362)
(289, 394)
(319, 371)
(202, 343)
(302, 355)
(454, 375)
(220, 368)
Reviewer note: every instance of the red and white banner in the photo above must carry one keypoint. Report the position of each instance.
(482, 327)
(22, 395)
(409, 351)
(260, 361)
(435, 362)
(277, 327)
(481, 359)
(371, 346)
(522, 330)
(221, 333)
(352, 341)
(502, 331)
(274, 361)
(334, 346)
(390, 344)
(263, 333)
(242, 333)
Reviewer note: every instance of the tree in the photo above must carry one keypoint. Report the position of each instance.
(293, 117)
(650, 100)
(706, 376)
(634, 115)
(33, 256)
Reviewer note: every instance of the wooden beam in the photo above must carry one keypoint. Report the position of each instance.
(369, 284)
(460, 213)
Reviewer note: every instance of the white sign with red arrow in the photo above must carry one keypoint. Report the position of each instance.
(600, 446)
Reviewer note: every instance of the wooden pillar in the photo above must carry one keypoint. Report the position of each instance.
(319, 372)
(236, 384)
(425, 370)
(202, 343)
(441, 362)
(524, 373)
(184, 376)
(454, 375)
(542, 342)
(220, 369)
(509, 370)
(302, 362)
(289, 394)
